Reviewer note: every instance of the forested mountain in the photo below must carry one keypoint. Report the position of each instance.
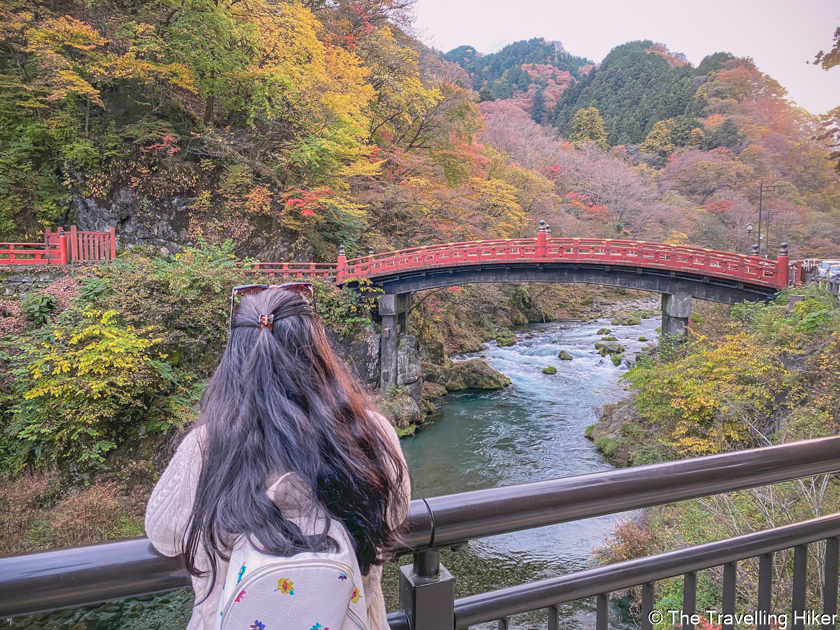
(636, 86)
(521, 67)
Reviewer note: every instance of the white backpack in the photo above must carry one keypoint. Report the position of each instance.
(307, 591)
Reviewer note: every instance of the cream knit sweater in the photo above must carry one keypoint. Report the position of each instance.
(170, 506)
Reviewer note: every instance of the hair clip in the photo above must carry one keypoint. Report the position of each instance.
(267, 320)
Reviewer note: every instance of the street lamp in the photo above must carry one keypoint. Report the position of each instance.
(761, 189)
(750, 227)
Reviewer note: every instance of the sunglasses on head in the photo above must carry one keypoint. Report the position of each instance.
(305, 289)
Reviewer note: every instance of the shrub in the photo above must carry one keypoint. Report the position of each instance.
(91, 384)
(37, 308)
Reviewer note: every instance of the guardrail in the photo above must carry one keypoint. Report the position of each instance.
(80, 576)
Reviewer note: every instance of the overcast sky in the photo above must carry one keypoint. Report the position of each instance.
(780, 35)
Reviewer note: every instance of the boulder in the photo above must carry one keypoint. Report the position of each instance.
(549, 370)
(472, 374)
(609, 347)
(505, 338)
(603, 331)
(633, 318)
(401, 410)
(431, 391)
(564, 356)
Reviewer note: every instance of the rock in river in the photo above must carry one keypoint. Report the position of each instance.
(472, 374)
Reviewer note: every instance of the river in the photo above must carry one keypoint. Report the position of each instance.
(530, 431)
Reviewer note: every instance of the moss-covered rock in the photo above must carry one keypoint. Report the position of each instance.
(617, 359)
(431, 391)
(643, 338)
(632, 318)
(472, 374)
(549, 370)
(610, 338)
(609, 347)
(564, 356)
(603, 331)
(517, 317)
(401, 410)
(505, 338)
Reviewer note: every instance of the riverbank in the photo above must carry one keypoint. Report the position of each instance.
(747, 376)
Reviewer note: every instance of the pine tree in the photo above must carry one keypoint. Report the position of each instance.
(537, 105)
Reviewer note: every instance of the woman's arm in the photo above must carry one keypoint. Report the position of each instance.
(170, 506)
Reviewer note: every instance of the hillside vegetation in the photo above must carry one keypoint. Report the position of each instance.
(749, 376)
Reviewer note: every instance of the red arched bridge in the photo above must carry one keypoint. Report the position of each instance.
(679, 273)
(657, 267)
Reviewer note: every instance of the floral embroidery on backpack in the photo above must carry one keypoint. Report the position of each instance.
(356, 595)
(241, 573)
(318, 626)
(257, 625)
(239, 597)
(342, 576)
(286, 586)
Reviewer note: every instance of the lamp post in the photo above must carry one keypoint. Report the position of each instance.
(750, 227)
(761, 189)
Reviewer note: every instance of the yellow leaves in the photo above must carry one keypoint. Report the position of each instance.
(714, 399)
(68, 59)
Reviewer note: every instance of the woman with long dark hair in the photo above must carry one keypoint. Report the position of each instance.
(284, 431)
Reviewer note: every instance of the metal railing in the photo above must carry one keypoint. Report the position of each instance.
(80, 576)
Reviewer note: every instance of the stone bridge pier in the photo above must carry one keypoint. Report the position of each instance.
(676, 311)
(393, 309)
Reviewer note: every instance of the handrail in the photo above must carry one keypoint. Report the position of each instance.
(79, 576)
(621, 575)
(467, 515)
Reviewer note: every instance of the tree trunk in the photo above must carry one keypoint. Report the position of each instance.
(208, 110)
(87, 115)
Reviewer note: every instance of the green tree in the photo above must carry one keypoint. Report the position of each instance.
(537, 106)
(588, 126)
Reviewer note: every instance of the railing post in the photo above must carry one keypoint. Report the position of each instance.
(341, 265)
(62, 248)
(427, 593)
(113, 233)
(74, 244)
(783, 265)
(541, 240)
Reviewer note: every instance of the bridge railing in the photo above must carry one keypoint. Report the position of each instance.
(80, 576)
(636, 254)
(296, 270)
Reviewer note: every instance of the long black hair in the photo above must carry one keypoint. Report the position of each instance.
(280, 401)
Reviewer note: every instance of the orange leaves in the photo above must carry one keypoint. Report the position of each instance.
(720, 206)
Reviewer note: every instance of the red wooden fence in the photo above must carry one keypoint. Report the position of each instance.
(62, 247)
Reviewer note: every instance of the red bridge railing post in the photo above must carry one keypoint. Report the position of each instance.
(542, 240)
(783, 265)
(341, 265)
